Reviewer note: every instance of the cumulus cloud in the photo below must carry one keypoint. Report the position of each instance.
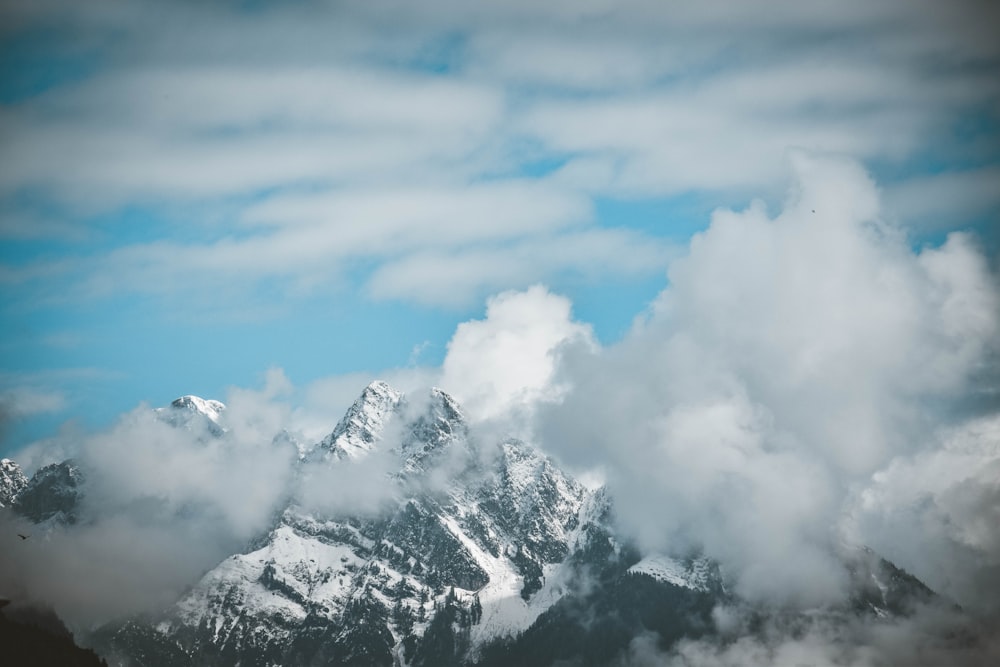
(791, 357)
(507, 359)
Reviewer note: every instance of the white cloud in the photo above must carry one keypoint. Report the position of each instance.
(409, 136)
(463, 275)
(160, 506)
(731, 131)
(791, 357)
(928, 638)
(940, 201)
(209, 131)
(23, 402)
(506, 360)
(937, 512)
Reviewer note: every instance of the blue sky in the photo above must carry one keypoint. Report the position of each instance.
(192, 195)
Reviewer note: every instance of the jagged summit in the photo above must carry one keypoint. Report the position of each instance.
(448, 403)
(422, 424)
(362, 425)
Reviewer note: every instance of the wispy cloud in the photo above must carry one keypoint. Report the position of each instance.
(25, 402)
(357, 139)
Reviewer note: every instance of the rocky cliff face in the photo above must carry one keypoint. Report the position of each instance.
(52, 494)
(12, 481)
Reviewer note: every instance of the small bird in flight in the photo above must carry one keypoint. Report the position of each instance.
(23, 537)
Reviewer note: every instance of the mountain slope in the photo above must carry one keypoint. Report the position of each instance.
(35, 636)
(52, 494)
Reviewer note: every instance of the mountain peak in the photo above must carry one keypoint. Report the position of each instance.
(210, 408)
(379, 388)
(356, 434)
(195, 414)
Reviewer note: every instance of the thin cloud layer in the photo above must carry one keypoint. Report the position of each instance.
(24, 401)
(313, 139)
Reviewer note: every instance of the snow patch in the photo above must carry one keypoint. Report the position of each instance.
(694, 574)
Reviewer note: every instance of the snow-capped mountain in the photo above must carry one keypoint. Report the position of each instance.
(479, 531)
(475, 552)
(12, 481)
(194, 414)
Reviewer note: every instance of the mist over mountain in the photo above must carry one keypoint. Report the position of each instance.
(409, 535)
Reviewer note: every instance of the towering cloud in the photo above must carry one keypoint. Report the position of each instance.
(790, 358)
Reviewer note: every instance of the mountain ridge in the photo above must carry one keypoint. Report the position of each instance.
(476, 553)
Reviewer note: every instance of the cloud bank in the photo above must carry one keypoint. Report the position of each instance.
(791, 358)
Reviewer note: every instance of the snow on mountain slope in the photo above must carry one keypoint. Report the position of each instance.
(359, 430)
(289, 577)
(472, 526)
(12, 481)
(517, 522)
(696, 574)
